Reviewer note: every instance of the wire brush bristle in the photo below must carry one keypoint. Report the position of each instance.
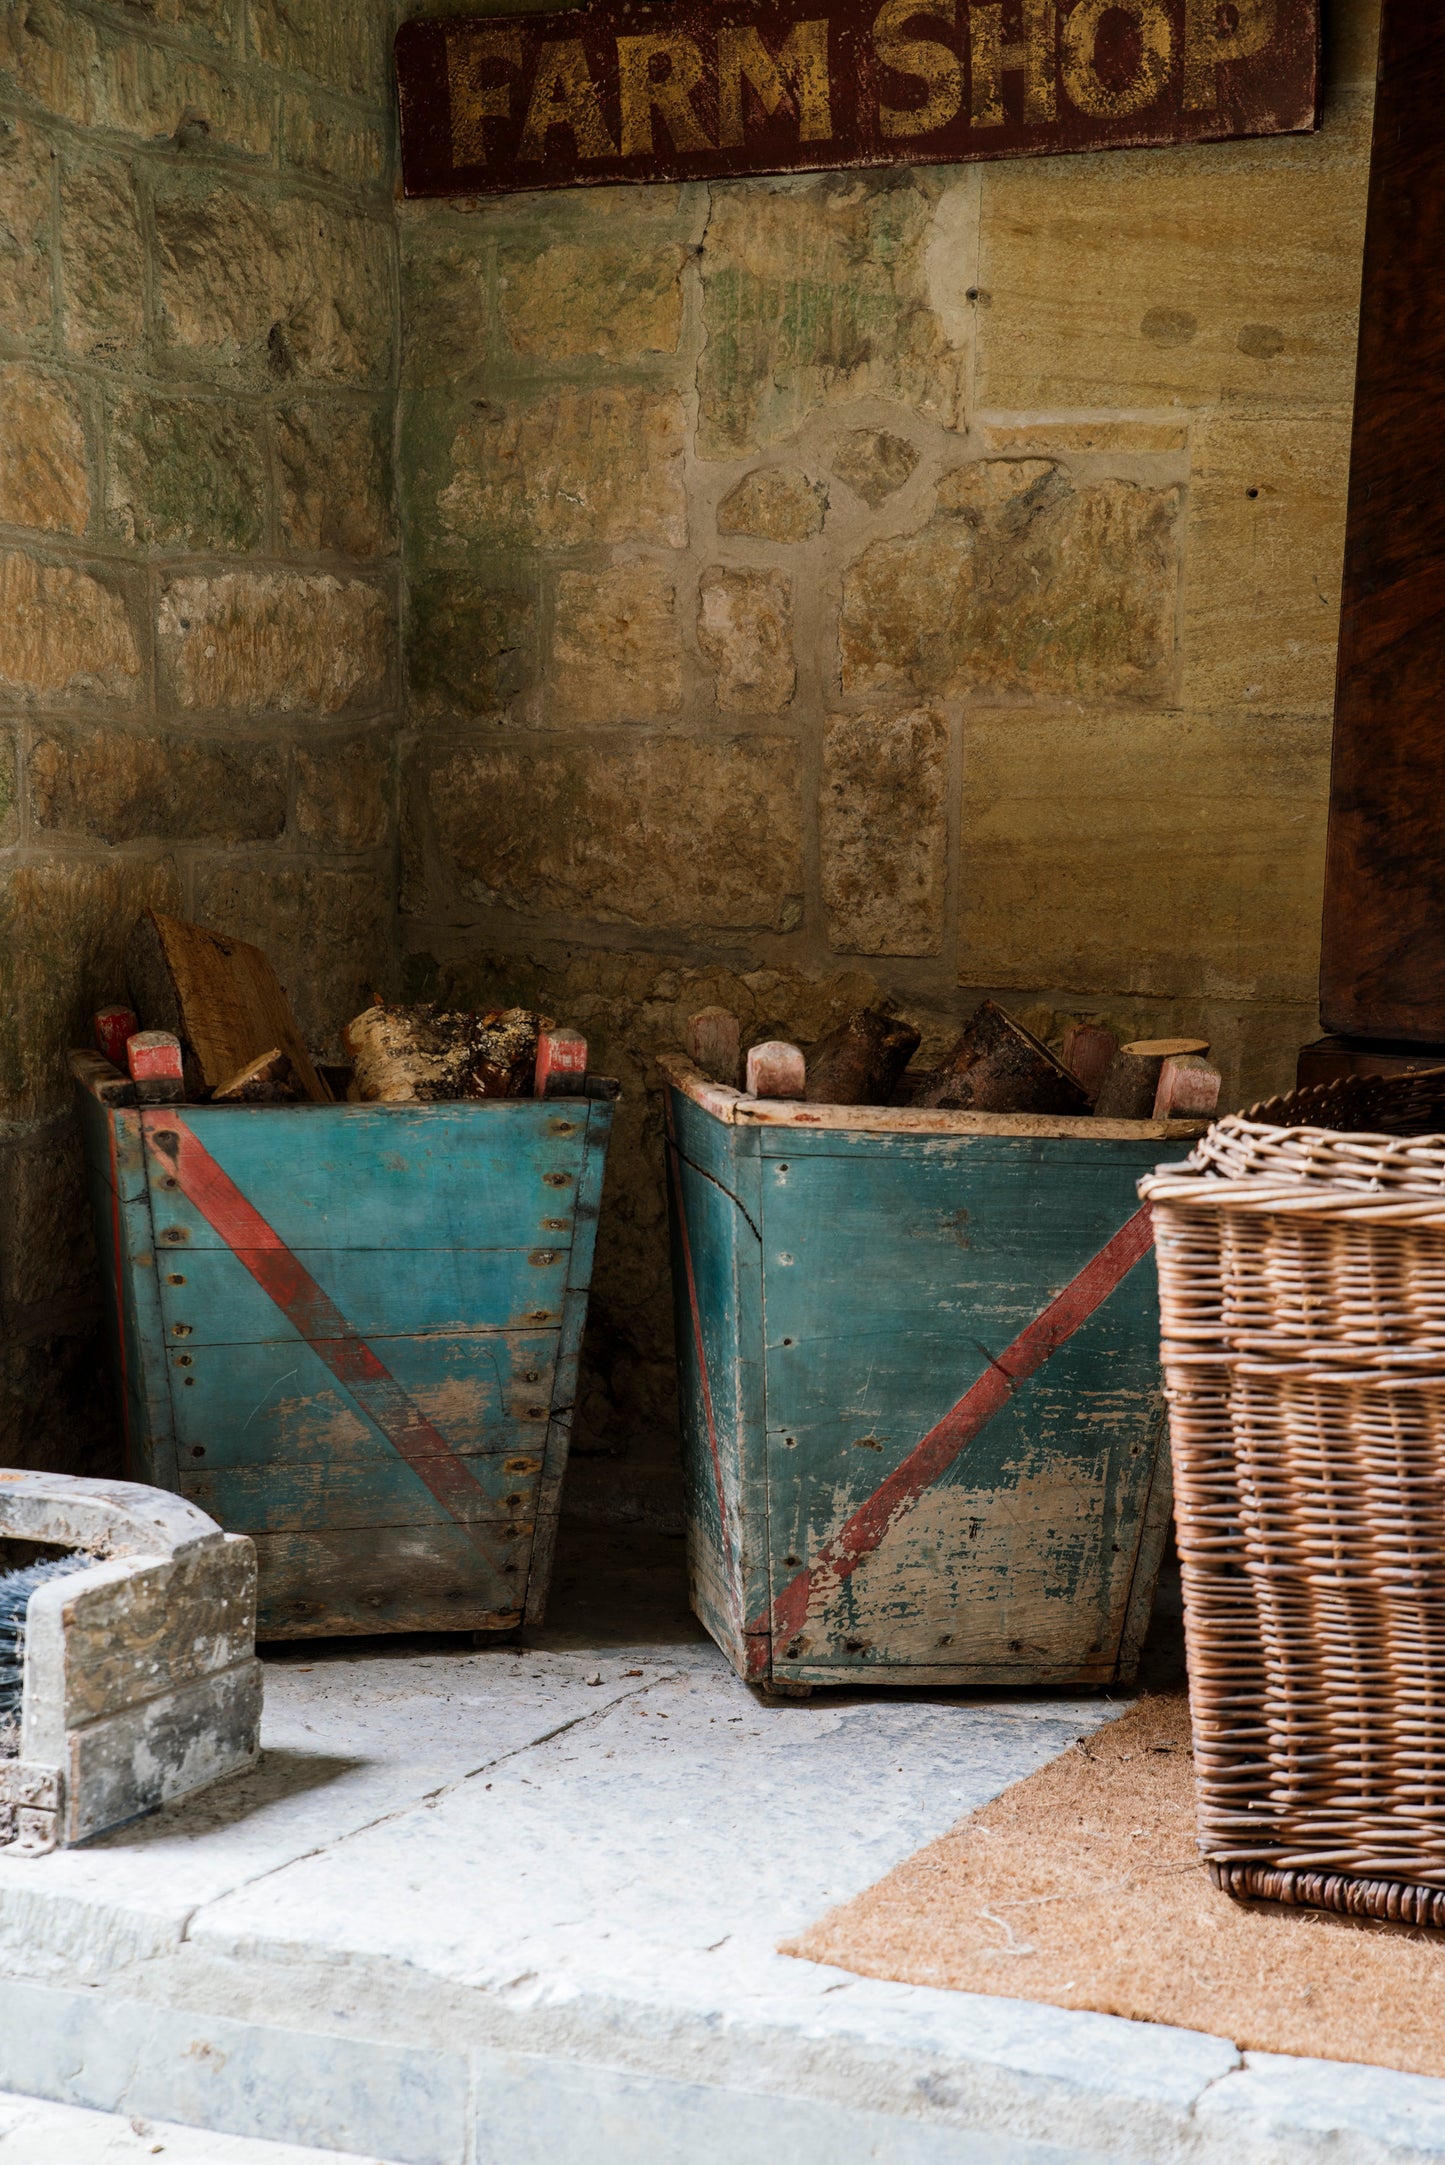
(16, 1587)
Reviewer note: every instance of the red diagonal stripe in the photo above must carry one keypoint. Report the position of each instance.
(978, 1405)
(285, 1279)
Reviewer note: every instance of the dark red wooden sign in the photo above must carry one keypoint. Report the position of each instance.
(702, 88)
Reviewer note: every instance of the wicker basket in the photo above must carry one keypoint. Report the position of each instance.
(1302, 1295)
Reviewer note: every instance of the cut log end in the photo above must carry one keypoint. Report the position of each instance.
(713, 1042)
(776, 1070)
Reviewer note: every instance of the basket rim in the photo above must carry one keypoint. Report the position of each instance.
(1249, 1164)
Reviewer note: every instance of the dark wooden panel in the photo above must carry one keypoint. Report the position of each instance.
(1383, 970)
(698, 89)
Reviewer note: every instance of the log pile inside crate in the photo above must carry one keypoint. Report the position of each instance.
(209, 1023)
(994, 1066)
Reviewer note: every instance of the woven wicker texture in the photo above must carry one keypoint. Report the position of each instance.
(1302, 1296)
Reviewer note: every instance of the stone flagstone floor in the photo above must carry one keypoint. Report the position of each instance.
(524, 1905)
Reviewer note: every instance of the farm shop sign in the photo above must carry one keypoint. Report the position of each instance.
(702, 88)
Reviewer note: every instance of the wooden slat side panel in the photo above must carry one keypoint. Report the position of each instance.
(210, 1297)
(713, 1194)
(588, 1208)
(390, 1578)
(279, 1403)
(893, 1281)
(125, 1250)
(353, 1490)
(500, 1174)
(1383, 967)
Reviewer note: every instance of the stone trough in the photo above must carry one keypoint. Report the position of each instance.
(141, 1682)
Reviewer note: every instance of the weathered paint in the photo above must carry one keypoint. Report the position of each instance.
(717, 87)
(922, 1408)
(357, 1333)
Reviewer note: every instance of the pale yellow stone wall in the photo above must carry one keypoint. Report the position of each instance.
(199, 587)
(917, 580)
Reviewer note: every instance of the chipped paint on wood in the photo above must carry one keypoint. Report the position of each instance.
(933, 1368)
(358, 1330)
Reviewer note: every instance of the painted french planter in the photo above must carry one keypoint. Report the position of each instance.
(922, 1408)
(351, 1332)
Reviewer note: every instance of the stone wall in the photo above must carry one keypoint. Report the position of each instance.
(923, 581)
(199, 689)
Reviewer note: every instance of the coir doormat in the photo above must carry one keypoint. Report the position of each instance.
(1082, 1887)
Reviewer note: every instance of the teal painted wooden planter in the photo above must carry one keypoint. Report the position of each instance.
(922, 1409)
(351, 1332)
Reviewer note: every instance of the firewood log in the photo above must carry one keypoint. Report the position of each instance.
(998, 1066)
(411, 1055)
(1129, 1089)
(860, 1062)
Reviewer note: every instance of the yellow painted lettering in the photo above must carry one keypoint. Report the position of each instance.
(1082, 80)
(670, 94)
(937, 64)
(475, 100)
(989, 59)
(1207, 42)
(800, 67)
(565, 96)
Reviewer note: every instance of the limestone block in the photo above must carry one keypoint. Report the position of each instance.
(184, 1740)
(1153, 276)
(616, 648)
(24, 228)
(614, 299)
(883, 817)
(121, 786)
(43, 477)
(1141, 853)
(471, 643)
(344, 791)
(1045, 438)
(335, 474)
(102, 260)
(745, 630)
(1020, 582)
(445, 312)
(63, 631)
(874, 462)
(668, 831)
(63, 928)
(774, 503)
(326, 932)
(134, 1630)
(321, 136)
(341, 43)
(1265, 543)
(287, 641)
(816, 291)
(209, 19)
(53, 57)
(196, 106)
(185, 473)
(281, 287)
(577, 466)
